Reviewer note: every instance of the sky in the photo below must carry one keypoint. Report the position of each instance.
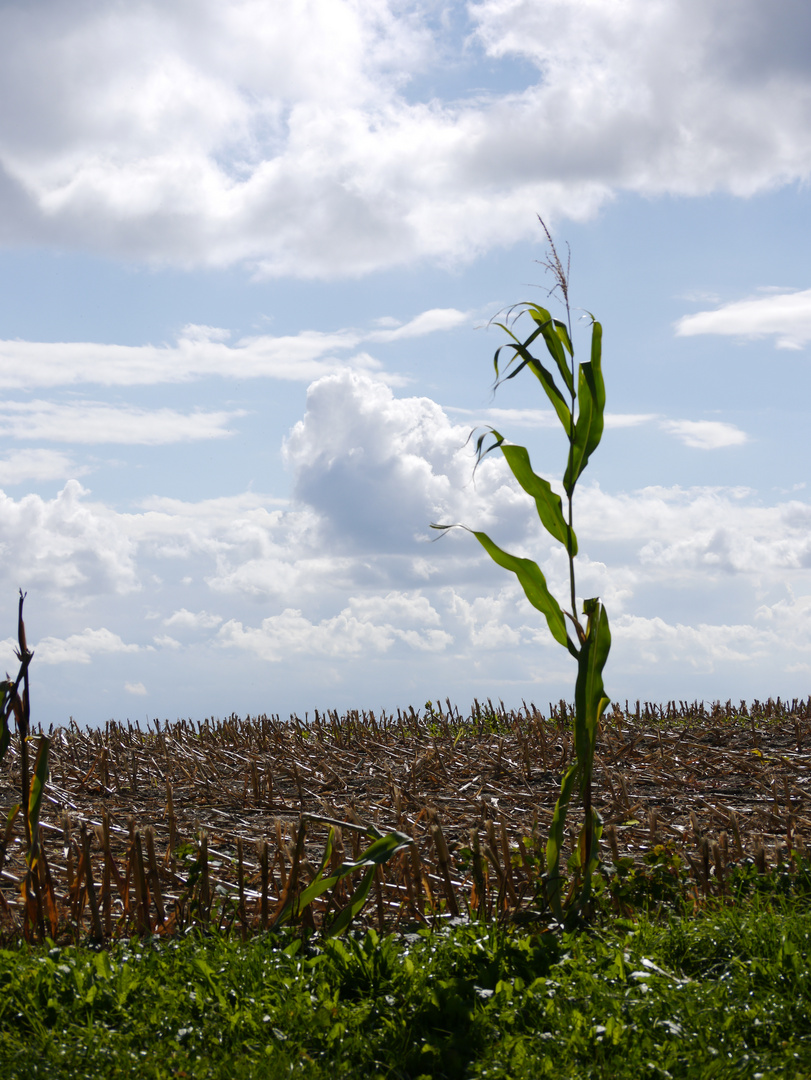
(249, 258)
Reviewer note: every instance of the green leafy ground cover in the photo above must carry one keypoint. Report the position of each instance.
(721, 993)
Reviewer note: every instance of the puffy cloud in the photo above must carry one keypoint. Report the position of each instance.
(784, 315)
(314, 579)
(138, 688)
(695, 534)
(66, 545)
(646, 641)
(188, 620)
(295, 136)
(368, 626)
(81, 648)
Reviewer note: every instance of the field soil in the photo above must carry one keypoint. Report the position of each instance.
(718, 785)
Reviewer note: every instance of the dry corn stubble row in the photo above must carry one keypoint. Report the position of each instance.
(226, 820)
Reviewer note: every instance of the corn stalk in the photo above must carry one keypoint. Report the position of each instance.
(577, 394)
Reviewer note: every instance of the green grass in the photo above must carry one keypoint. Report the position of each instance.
(722, 994)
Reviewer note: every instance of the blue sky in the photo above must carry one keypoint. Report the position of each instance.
(248, 254)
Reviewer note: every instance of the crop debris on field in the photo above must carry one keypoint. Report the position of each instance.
(154, 829)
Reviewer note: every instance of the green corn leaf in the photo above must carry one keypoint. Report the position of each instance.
(542, 374)
(547, 503)
(317, 886)
(356, 902)
(556, 337)
(534, 585)
(590, 419)
(381, 850)
(36, 795)
(554, 844)
(377, 853)
(590, 695)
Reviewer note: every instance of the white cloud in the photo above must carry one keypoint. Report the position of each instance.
(615, 421)
(203, 351)
(371, 472)
(379, 469)
(23, 466)
(66, 545)
(165, 641)
(367, 626)
(188, 620)
(646, 641)
(137, 688)
(428, 322)
(95, 422)
(696, 534)
(701, 434)
(293, 136)
(8, 655)
(784, 315)
(344, 574)
(705, 434)
(80, 648)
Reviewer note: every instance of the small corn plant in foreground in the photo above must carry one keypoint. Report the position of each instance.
(32, 790)
(570, 388)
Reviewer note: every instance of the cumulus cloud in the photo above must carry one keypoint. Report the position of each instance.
(137, 688)
(189, 620)
(378, 469)
(66, 545)
(645, 641)
(366, 626)
(81, 648)
(786, 316)
(695, 534)
(94, 422)
(324, 578)
(295, 137)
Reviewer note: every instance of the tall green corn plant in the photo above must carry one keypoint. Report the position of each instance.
(577, 394)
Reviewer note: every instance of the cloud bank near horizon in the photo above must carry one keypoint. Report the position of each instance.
(343, 573)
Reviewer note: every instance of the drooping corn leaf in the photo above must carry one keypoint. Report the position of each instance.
(533, 583)
(541, 373)
(547, 503)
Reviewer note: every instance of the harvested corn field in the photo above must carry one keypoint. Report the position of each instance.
(229, 822)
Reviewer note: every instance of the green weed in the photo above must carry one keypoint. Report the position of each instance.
(723, 994)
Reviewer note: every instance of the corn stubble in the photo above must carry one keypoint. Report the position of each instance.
(383, 820)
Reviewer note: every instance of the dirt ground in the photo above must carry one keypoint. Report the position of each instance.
(737, 777)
